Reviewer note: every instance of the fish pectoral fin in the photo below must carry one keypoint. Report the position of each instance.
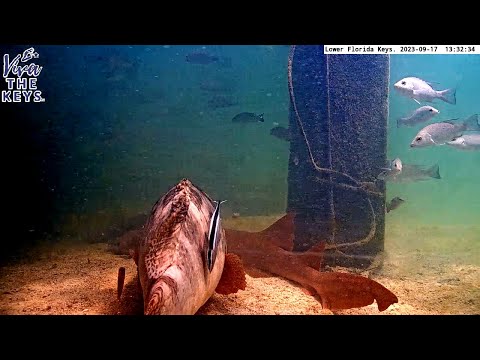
(233, 276)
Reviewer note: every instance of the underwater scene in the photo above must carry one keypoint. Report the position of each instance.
(240, 180)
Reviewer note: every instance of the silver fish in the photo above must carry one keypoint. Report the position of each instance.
(421, 115)
(393, 169)
(442, 132)
(393, 204)
(410, 173)
(172, 258)
(466, 142)
(420, 90)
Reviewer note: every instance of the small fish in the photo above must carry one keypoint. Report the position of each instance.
(466, 142)
(222, 101)
(411, 173)
(213, 85)
(421, 115)
(393, 169)
(248, 117)
(201, 58)
(420, 90)
(213, 236)
(442, 132)
(171, 256)
(281, 133)
(394, 203)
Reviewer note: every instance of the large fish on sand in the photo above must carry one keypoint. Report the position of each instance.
(181, 258)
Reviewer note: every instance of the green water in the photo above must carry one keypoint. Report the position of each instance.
(453, 200)
(123, 124)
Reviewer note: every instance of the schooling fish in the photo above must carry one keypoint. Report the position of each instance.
(222, 101)
(420, 90)
(179, 266)
(394, 203)
(393, 169)
(466, 142)
(410, 173)
(442, 132)
(201, 58)
(216, 85)
(421, 115)
(247, 117)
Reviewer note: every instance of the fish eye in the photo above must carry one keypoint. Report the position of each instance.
(430, 110)
(404, 83)
(418, 138)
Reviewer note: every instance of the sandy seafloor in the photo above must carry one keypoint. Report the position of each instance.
(431, 269)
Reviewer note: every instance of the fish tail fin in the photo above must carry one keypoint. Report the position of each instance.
(434, 172)
(448, 95)
(471, 124)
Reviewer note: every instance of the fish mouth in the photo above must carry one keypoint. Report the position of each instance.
(412, 145)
